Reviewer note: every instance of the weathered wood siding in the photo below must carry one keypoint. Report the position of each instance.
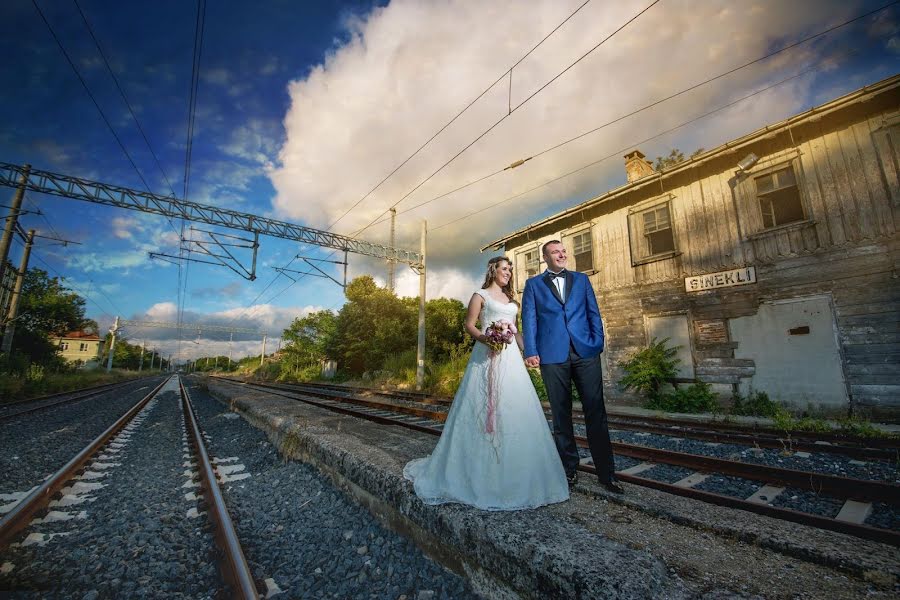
(848, 172)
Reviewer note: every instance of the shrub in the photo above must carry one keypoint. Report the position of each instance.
(695, 398)
(398, 365)
(538, 383)
(756, 404)
(648, 369)
(858, 427)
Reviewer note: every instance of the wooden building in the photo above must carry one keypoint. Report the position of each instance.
(771, 260)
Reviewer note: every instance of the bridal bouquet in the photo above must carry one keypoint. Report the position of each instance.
(499, 334)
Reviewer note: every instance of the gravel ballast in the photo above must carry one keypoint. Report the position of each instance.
(36, 445)
(136, 536)
(307, 537)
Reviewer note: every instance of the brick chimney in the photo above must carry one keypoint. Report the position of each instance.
(636, 166)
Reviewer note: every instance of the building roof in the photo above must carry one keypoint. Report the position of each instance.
(78, 335)
(861, 95)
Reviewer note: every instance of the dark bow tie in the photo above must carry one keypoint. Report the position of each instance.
(553, 275)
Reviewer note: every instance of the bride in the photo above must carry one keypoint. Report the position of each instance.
(496, 451)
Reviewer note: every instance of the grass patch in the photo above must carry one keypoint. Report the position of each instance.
(757, 404)
(696, 398)
(37, 382)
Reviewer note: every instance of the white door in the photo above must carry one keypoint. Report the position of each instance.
(795, 348)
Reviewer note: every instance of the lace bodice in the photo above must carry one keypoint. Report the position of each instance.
(493, 310)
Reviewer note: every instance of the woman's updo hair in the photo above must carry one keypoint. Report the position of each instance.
(492, 266)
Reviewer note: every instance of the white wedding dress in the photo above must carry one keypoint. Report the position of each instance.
(507, 462)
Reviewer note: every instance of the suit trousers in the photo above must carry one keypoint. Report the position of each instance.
(587, 375)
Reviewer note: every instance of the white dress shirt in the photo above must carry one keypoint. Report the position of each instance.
(560, 283)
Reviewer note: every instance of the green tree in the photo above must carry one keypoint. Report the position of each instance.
(445, 331)
(373, 325)
(307, 339)
(675, 157)
(47, 308)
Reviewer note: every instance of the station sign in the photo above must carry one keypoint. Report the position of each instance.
(722, 279)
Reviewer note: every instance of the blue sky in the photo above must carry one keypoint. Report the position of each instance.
(303, 107)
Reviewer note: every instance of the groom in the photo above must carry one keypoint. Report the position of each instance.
(564, 337)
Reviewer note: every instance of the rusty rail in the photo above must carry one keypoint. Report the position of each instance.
(855, 447)
(233, 564)
(20, 516)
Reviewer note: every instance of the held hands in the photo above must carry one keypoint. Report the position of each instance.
(533, 362)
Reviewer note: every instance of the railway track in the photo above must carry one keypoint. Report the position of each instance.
(857, 496)
(88, 465)
(861, 448)
(18, 408)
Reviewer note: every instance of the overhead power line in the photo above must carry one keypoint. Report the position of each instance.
(199, 27)
(627, 147)
(639, 110)
(503, 76)
(511, 111)
(124, 97)
(90, 95)
(507, 72)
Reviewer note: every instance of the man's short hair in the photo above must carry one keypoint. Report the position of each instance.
(544, 247)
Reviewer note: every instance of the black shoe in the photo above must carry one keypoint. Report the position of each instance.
(613, 486)
(572, 479)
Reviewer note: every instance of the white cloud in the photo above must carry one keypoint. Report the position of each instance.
(122, 227)
(407, 68)
(100, 262)
(200, 341)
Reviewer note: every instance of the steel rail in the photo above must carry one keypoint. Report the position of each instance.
(794, 436)
(841, 487)
(233, 563)
(855, 447)
(58, 394)
(375, 404)
(93, 392)
(751, 438)
(876, 534)
(870, 489)
(20, 516)
(334, 406)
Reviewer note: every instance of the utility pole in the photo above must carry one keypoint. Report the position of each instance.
(141, 364)
(17, 293)
(230, 343)
(262, 355)
(420, 347)
(169, 362)
(152, 353)
(391, 263)
(12, 219)
(112, 345)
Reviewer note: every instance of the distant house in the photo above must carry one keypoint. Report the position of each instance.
(81, 348)
(772, 260)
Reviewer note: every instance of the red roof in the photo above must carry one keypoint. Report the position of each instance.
(79, 335)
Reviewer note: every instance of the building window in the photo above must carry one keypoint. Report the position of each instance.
(82, 347)
(651, 232)
(64, 346)
(779, 198)
(583, 251)
(658, 230)
(532, 263)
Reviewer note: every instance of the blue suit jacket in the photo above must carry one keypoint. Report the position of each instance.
(550, 324)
